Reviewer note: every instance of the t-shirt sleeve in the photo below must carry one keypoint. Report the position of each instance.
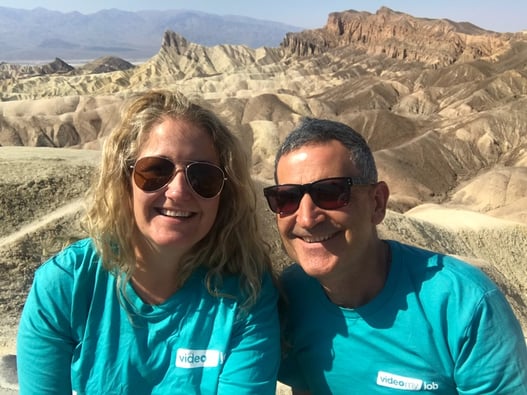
(252, 363)
(492, 355)
(44, 342)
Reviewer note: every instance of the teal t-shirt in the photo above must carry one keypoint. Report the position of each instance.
(76, 334)
(439, 326)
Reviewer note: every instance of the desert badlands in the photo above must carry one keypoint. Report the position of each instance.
(442, 104)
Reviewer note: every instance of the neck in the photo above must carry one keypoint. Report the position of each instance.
(156, 277)
(153, 291)
(364, 281)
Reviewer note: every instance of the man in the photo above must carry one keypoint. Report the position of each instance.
(371, 316)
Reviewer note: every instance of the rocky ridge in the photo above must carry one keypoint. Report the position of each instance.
(12, 71)
(400, 36)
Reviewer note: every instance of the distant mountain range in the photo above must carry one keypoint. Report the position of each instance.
(43, 35)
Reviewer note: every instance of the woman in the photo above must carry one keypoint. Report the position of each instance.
(173, 291)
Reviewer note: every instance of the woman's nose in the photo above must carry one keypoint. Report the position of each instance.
(178, 186)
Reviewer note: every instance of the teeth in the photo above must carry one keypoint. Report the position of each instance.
(173, 213)
(316, 239)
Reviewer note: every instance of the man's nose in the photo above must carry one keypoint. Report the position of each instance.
(308, 213)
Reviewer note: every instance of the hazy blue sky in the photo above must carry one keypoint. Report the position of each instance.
(497, 15)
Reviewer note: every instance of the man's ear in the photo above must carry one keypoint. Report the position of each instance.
(381, 193)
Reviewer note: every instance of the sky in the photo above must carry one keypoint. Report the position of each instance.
(496, 15)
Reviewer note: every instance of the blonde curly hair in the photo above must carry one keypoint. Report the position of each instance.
(234, 245)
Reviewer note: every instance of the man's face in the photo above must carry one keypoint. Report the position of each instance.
(328, 243)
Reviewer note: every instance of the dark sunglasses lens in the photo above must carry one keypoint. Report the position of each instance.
(284, 199)
(205, 179)
(330, 194)
(152, 173)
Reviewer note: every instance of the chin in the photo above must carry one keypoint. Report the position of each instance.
(318, 270)
(174, 242)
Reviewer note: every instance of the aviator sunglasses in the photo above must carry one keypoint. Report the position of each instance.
(328, 194)
(152, 173)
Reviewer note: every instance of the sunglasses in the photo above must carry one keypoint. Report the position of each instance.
(328, 194)
(152, 173)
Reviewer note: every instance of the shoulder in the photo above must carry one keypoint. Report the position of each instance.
(79, 258)
(436, 269)
(64, 284)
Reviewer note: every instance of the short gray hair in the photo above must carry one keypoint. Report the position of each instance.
(314, 131)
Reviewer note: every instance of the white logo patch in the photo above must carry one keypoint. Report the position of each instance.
(186, 358)
(391, 380)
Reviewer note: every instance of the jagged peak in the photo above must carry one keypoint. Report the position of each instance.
(174, 41)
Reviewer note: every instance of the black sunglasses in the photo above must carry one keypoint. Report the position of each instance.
(152, 173)
(328, 194)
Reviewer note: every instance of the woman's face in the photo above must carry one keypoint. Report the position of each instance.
(174, 218)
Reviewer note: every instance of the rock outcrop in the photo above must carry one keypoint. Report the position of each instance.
(399, 36)
(105, 64)
(11, 71)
